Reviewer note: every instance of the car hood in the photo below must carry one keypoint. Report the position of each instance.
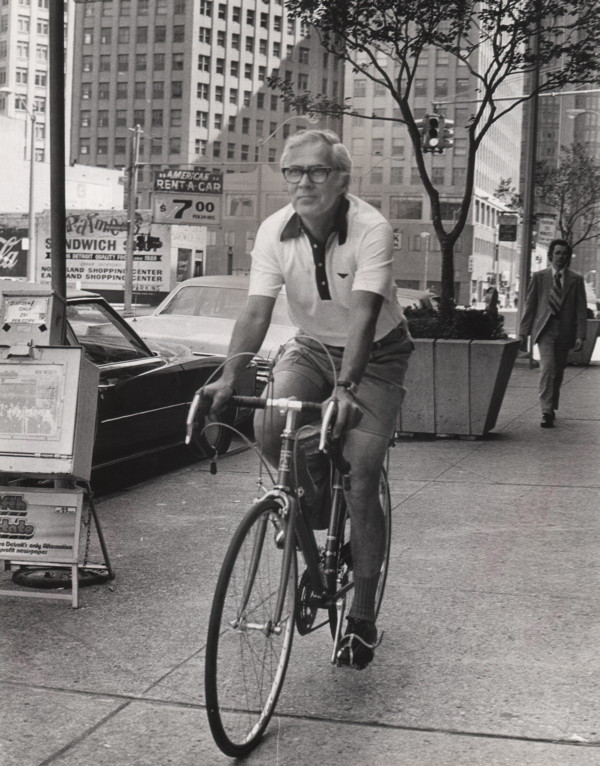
(204, 335)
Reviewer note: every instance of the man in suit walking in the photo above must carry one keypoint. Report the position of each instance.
(555, 315)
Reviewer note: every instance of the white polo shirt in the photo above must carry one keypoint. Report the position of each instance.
(358, 256)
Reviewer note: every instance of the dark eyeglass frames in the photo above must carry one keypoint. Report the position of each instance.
(316, 175)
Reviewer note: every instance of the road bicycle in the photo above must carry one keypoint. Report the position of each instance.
(259, 600)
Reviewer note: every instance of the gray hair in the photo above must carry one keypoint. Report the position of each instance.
(339, 153)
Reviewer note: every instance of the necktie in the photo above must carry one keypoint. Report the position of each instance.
(555, 298)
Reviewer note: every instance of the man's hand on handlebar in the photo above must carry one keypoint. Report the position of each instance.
(348, 414)
(214, 397)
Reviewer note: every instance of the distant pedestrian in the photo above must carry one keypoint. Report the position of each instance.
(490, 298)
(555, 316)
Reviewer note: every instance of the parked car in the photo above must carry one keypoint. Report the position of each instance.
(201, 313)
(145, 388)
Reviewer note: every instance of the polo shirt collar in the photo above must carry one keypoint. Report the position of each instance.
(294, 228)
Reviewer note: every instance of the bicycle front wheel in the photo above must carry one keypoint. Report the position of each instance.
(247, 652)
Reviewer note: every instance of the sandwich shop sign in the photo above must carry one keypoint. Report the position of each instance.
(96, 246)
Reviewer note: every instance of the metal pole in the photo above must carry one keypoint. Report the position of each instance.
(131, 209)
(31, 261)
(57, 154)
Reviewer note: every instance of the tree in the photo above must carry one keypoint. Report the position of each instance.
(493, 39)
(572, 190)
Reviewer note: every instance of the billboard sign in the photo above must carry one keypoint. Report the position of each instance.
(13, 254)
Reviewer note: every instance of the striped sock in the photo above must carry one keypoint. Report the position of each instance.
(363, 603)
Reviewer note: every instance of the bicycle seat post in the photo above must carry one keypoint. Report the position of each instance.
(287, 450)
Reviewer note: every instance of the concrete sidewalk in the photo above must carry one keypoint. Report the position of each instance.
(491, 617)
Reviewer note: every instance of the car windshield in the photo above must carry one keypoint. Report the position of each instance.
(219, 302)
(103, 338)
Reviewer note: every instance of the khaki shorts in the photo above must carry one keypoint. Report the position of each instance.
(381, 390)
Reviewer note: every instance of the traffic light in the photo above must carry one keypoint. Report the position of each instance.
(431, 132)
(447, 133)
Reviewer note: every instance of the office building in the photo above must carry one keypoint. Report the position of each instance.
(192, 74)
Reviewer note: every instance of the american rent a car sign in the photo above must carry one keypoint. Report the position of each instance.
(187, 196)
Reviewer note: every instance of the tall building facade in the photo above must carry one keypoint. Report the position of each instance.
(386, 175)
(24, 59)
(192, 74)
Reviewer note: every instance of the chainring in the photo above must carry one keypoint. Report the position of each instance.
(306, 611)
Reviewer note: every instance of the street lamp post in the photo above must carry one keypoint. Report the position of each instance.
(31, 256)
(426, 235)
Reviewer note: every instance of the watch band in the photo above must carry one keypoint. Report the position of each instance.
(349, 385)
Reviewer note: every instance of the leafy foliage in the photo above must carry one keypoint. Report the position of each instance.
(457, 324)
(491, 39)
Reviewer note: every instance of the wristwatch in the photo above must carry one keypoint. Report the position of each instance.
(349, 385)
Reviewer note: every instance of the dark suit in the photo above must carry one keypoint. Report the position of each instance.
(555, 335)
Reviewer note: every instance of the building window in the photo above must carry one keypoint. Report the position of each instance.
(221, 38)
(106, 35)
(157, 118)
(104, 90)
(86, 90)
(22, 76)
(216, 149)
(176, 89)
(239, 206)
(277, 23)
(175, 118)
(458, 176)
(277, 50)
(396, 175)
(231, 123)
(247, 97)
(175, 145)
(103, 118)
(441, 87)
(264, 21)
(23, 51)
(123, 62)
(160, 34)
(104, 64)
(406, 209)
(201, 119)
(262, 73)
(156, 147)
(219, 93)
(438, 176)
(360, 88)
(235, 42)
(245, 125)
(121, 118)
(244, 152)
(202, 90)
(303, 55)
(250, 18)
(178, 33)
(234, 68)
(143, 7)
(460, 147)
(140, 62)
(204, 34)
(139, 117)
(158, 89)
(102, 146)
(122, 90)
(377, 146)
(139, 89)
(260, 126)
(125, 8)
(222, 11)
(159, 62)
(84, 146)
(218, 121)
(206, 8)
(233, 95)
(200, 145)
(22, 23)
(121, 146)
(42, 27)
(249, 44)
(302, 81)
(236, 14)
(415, 178)
(230, 151)
(204, 63)
(260, 100)
(123, 34)
(398, 147)
(84, 118)
(41, 52)
(177, 62)
(220, 66)
(262, 47)
(248, 71)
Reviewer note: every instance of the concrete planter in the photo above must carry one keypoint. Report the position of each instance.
(456, 387)
(585, 355)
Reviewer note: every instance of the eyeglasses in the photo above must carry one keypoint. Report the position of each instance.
(316, 175)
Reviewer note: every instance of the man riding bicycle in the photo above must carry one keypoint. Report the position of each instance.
(333, 253)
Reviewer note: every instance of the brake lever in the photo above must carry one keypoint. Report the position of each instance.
(191, 416)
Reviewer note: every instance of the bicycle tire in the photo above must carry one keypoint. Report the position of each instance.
(344, 563)
(245, 666)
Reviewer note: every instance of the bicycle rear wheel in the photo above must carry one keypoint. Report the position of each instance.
(345, 564)
(246, 652)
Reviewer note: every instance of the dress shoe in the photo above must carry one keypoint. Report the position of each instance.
(547, 420)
